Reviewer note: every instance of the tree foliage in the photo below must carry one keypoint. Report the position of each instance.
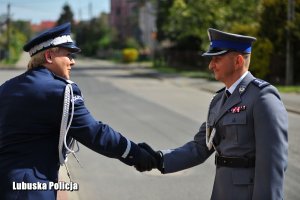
(185, 22)
(273, 26)
(19, 32)
(94, 35)
(66, 15)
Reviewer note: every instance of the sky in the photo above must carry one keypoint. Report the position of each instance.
(41, 10)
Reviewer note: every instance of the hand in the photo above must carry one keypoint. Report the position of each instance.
(156, 154)
(145, 161)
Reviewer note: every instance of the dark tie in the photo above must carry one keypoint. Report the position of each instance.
(227, 94)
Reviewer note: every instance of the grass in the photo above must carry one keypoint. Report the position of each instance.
(185, 73)
(209, 76)
(288, 89)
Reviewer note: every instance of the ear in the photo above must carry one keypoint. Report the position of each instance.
(48, 56)
(239, 61)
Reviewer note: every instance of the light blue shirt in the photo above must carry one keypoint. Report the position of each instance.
(232, 88)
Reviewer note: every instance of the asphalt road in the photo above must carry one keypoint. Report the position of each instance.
(143, 109)
(164, 115)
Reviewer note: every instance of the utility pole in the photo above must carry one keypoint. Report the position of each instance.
(79, 15)
(289, 73)
(90, 10)
(8, 32)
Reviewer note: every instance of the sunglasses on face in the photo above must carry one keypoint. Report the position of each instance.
(71, 56)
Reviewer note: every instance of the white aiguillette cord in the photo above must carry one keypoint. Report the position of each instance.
(64, 128)
(210, 134)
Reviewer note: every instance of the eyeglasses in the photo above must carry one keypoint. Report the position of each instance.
(71, 56)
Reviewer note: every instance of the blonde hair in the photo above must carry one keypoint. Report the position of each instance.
(39, 58)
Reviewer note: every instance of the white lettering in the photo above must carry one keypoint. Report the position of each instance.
(14, 186)
(72, 186)
(29, 186)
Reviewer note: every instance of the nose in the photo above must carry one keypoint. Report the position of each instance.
(72, 61)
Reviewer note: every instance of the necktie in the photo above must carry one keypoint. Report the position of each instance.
(227, 94)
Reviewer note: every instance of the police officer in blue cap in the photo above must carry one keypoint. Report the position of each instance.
(246, 128)
(42, 114)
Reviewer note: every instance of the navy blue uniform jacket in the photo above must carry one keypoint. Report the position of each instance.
(30, 115)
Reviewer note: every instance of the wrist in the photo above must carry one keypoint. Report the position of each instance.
(129, 155)
(160, 161)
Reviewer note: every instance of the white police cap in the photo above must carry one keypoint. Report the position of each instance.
(58, 36)
(223, 42)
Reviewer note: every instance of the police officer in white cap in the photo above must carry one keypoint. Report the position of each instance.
(246, 128)
(42, 113)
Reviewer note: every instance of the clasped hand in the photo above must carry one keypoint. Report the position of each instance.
(148, 158)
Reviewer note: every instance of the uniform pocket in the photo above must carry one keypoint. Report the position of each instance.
(243, 176)
(235, 119)
(242, 180)
(235, 127)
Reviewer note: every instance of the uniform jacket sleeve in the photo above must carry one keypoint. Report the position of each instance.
(98, 136)
(191, 154)
(271, 137)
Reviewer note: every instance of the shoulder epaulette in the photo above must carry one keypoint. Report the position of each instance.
(260, 83)
(222, 89)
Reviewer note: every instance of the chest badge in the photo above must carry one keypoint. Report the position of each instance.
(242, 89)
(237, 109)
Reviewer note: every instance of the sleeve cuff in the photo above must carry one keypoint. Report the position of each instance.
(127, 150)
(130, 154)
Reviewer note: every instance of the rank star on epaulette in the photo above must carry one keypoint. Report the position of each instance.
(237, 109)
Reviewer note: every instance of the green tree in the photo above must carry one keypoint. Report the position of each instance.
(190, 19)
(94, 35)
(17, 40)
(179, 20)
(24, 27)
(185, 24)
(66, 15)
(273, 26)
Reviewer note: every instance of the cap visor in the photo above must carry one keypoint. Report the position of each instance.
(73, 48)
(215, 53)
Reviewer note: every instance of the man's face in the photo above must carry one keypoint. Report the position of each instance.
(223, 67)
(62, 62)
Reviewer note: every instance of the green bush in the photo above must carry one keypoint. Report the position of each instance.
(130, 55)
(261, 58)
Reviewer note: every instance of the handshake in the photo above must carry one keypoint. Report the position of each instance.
(148, 159)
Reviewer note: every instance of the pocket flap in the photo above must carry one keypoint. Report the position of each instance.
(235, 118)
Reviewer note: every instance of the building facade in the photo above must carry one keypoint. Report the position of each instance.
(136, 19)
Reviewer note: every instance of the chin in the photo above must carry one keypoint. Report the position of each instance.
(67, 76)
(216, 77)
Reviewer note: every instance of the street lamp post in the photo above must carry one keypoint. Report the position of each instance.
(289, 76)
(8, 32)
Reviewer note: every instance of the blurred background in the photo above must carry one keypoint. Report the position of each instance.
(141, 71)
(171, 34)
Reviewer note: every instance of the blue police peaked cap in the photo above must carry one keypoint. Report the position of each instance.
(59, 36)
(223, 42)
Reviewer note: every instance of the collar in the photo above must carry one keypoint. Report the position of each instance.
(232, 88)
